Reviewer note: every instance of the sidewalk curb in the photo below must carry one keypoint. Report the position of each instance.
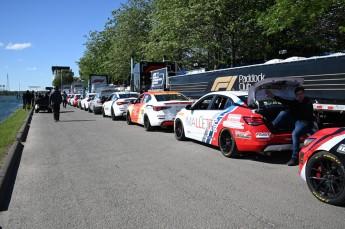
(12, 159)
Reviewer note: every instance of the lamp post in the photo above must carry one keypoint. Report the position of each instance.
(61, 79)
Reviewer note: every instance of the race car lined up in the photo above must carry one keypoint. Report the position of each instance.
(116, 105)
(156, 108)
(223, 119)
(321, 165)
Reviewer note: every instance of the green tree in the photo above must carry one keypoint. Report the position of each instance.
(67, 78)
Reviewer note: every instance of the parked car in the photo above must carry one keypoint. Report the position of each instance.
(321, 165)
(156, 109)
(84, 103)
(96, 104)
(75, 99)
(224, 119)
(70, 99)
(116, 105)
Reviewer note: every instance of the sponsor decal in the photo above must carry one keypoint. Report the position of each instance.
(199, 122)
(225, 83)
(341, 149)
(234, 121)
(245, 135)
(245, 82)
(98, 81)
(263, 135)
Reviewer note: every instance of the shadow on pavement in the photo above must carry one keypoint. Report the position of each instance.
(79, 120)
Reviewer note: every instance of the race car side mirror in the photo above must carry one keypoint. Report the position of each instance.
(188, 107)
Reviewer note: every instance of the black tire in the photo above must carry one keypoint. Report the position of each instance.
(325, 177)
(103, 114)
(94, 111)
(179, 131)
(89, 110)
(147, 124)
(37, 110)
(50, 110)
(227, 144)
(113, 117)
(128, 119)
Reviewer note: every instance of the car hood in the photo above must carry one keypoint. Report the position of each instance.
(280, 86)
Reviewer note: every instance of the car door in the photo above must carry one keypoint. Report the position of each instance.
(108, 105)
(206, 115)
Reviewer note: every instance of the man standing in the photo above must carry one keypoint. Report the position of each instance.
(298, 119)
(55, 100)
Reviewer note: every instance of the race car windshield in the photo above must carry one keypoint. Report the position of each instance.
(169, 97)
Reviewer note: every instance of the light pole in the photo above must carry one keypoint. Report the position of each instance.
(61, 79)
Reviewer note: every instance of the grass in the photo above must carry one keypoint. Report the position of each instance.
(9, 128)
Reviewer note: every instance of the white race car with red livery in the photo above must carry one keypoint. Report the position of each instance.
(156, 109)
(223, 119)
(321, 164)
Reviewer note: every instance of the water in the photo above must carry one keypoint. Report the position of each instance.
(8, 104)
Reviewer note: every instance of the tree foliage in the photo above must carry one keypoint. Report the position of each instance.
(212, 34)
(67, 78)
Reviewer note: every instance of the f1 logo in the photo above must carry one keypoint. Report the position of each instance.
(226, 83)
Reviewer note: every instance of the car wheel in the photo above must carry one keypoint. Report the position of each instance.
(103, 114)
(113, 117)
(325, 177)
(147, 124)
(85, 108)
(50, 110)
(227, 144)
(37, 110)
(179, 131)
(128, 119)
(89, 110)
(94, 111)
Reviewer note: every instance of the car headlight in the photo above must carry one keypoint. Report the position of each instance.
(308, 141)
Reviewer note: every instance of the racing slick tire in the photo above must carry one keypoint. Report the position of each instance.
(179, 131)
(227, 144)
(325, 176)
(147, 124)
(128, 119)
(113, 117)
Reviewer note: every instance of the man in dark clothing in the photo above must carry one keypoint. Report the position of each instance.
(55, 100)
(298, 119)
(26, 100)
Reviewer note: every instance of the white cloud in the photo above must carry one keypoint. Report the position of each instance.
(31, 69)
(18, 46)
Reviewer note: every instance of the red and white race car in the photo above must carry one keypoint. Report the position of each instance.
(321, 164)
(225, 120)
(156, 108)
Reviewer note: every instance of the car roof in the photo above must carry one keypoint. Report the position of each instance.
(161, 92)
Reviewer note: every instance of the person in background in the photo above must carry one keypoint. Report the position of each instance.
(32, 98)
(64, 99)
(298, 119)
(55, 100)
(26, 100)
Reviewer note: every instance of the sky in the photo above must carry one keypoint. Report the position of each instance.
(38, 34)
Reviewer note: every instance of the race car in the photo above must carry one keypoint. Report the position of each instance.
(224, 119)
(116, 105)
(321, 165)
(156, 109)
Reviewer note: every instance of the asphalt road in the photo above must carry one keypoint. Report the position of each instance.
(87, 171)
